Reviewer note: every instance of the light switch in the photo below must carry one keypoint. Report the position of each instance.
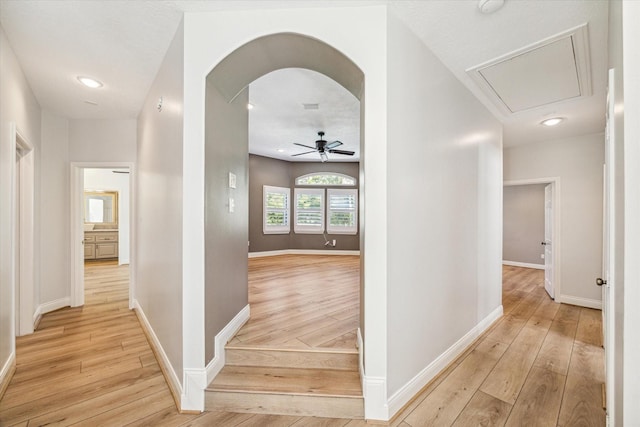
(232, 180)
(232, 205)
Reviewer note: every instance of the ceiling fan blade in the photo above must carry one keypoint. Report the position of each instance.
(346, 153)
(306, 152)
(333, 144)
(305, 146)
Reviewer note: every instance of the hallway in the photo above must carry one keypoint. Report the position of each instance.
(542, 362)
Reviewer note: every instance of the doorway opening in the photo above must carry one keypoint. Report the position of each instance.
(541, 229)
(101, 226)
(226, 171)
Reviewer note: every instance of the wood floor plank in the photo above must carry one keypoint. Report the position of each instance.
(507, 329)
(508, 376)
(540, 399)
(590, 327)
(581, 405)
(80, 411)
(483, 410)
(139, 408)
(555, 353)
(588, 360)
(268, 420)
(444, 404)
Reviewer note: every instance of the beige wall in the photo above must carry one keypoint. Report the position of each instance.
(578, 162)
(280, 173)
(226, 232)
(523, 224)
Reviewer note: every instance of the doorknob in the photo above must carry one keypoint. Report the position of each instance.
(600, 282)
(544, 243)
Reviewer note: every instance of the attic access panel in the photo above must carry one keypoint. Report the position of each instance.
(550, 71)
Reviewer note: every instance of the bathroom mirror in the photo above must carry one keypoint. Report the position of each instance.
(101, 207)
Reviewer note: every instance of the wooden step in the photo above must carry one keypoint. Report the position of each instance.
(287, 391)
(346, 360)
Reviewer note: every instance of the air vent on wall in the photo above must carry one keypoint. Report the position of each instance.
(553, 70)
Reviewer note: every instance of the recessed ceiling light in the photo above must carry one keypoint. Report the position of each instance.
(490, 6)
(249, 106)
(89, 82)
(280, 150)
(552, 121)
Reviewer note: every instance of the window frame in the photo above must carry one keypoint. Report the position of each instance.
(309, 229)
(276, 229)
(309, 175)
(351, 230)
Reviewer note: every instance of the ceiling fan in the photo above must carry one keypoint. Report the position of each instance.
(323, 147)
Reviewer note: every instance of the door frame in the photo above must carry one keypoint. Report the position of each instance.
(25, 312)
(555, 227)
(77, 231)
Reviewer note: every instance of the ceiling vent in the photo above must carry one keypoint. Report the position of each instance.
(553, 70)
(311, 106)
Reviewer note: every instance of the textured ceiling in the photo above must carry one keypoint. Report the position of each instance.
(122, 43)
(285, 92)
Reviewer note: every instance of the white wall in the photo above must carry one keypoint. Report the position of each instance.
(65, 141)
(436, 175)
(159, 205)
(54, 206)
(17, 105)
(106, 179)
(578, 163)
(102, 140)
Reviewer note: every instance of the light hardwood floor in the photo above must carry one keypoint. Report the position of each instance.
(303, 302)
(541, 364)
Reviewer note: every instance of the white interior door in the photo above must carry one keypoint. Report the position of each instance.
(548, 239)
(607, 281)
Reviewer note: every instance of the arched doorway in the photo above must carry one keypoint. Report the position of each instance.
(226, 155)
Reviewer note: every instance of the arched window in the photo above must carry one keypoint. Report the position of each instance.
(326, 179)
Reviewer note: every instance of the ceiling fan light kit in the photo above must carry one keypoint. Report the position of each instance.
(323, 147)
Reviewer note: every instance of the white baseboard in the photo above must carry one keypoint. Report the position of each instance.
(197, 380)
(523, 264)
(221, 339)
(417, 383)
(167, 368)
(7, 372)
(360, 345)
(50, 306)
(302, 252)
(582, 302)
(375, 399)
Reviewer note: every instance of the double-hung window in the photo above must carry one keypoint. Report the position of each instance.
(309, 210)
(342, 211)
(276, 210)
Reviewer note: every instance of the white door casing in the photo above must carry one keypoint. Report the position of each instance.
(23, 224)
(556, 227)
(548, 239)
(77, 230)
